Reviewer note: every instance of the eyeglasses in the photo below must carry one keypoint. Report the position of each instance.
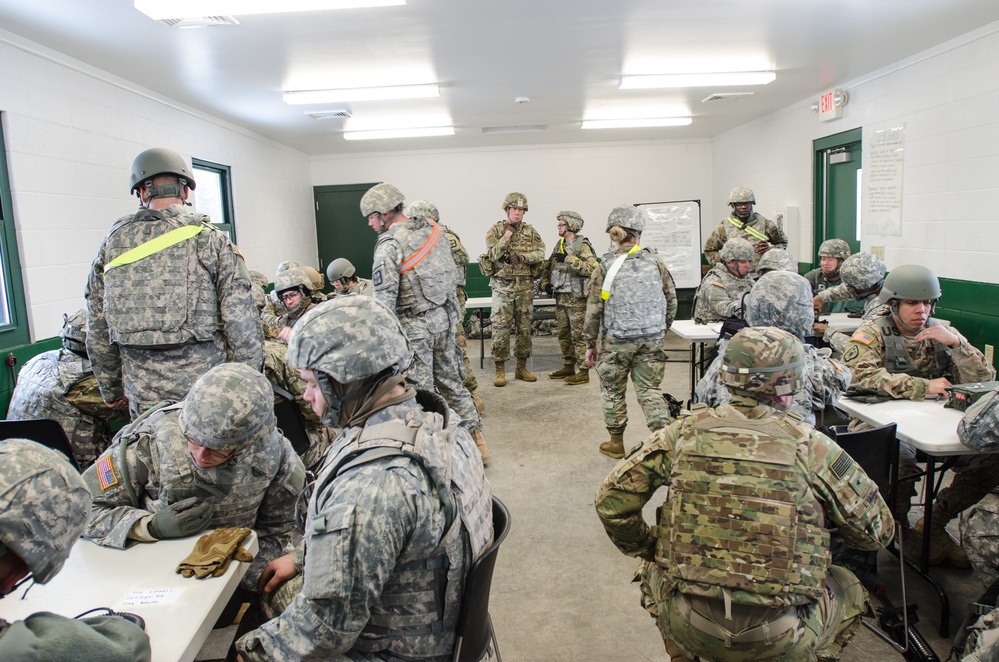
(304, 497)
(563, 225)
(288, 296)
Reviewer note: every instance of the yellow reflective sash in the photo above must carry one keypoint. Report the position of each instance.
(155, 245)
(747, 229)
(612, 272)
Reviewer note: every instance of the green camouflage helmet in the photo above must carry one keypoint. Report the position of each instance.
(44, 506)
(381, 198)
(781, 299)
(339, 268)
(159, 161)
(741, 194)
(777, 259)
(572, 219)
(516, 200)
(628, 217)
(292, 279)
(423, 208)
(834, 248)
(910, 282)
(862, 271)
(314, 277)
(737, 249)
(227, 407)
(763, 361)
(74, 332)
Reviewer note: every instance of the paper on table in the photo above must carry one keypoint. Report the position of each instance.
(151, 596)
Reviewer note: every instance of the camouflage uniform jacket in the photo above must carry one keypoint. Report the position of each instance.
(257, 487)
(525, 242)
(45, 636)
(728, 230)
(820, 282)
(831, 491)
(720, 295)
(823, 383)
(362, 286)
(872, 308)
(193, 292)
(593, 323)
(571, 275)
(410, 274)
(458, 252)
(865, 356)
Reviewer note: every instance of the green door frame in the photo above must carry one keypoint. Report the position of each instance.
(819, 148)
(16, 332)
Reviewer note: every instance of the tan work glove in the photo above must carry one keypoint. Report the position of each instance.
(213, 551)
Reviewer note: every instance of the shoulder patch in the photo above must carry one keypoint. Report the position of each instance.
(105, 472)
(862, 337)
(851, 353)
(718, 283)
(842, 464)
(376, 277)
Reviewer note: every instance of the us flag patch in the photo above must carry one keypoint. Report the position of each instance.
(105, 473)
(862, 337)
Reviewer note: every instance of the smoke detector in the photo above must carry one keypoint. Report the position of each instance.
(330, 114)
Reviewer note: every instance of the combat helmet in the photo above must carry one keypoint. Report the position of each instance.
(781, 299)
(229, 407)
(339, 268)
(572, 219)
(834, 248)
(314, 277)
(516, 200)
(160, 161)
(741, 194)
(44, 506)
(291, 279)
(381, 198)
(628, 217)
(74, 332)
(259, 279)
(737, 249)
(763, 361)
(423, 208)
(863, 273)
(912, 282)
(777, 259)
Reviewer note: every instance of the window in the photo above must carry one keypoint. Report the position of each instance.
(13, 314)
(213, 196)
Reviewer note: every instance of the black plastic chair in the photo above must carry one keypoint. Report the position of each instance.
(290, 420)
(475, 627)
(45, 431)
(876, 451)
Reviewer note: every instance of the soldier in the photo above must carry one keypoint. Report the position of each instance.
(738, 566)
(863, 275)
(832, 253)
(43, 509)
(295, 291)
(60, 385)
(399, 510)
(413, 274)
(979, 429)
(515, 256)
(568, 270)
(630, 305)
(316, 278)
(341, 274)
(905, 353)
(720, 294)
(216, 459)
(784, 300)
(167, 296)
(746, 224)
(776, 259)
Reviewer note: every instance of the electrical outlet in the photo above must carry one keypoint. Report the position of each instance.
(878, 252)
(989, 353)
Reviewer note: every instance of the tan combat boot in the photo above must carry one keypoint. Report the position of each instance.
(675, 654)
(500, 378)
(567, 370)
(480, 405)
(615, 447)
(522, 372)
(483, 449)
(942, 546)
(581, 377)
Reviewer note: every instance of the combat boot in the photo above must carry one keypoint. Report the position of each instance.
(942, 546)
(522, 372)
(675, 654)
(481, 444)
(567, 370)
(480, 405)
(615, 447)
(581, 377)
(500, 378)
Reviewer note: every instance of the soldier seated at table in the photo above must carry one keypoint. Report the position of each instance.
(720, 293)
(906, 354)
(862, 275)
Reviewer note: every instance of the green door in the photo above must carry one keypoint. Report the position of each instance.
(341, 231)
(837, 189)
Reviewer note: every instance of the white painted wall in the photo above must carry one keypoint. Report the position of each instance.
(72, 132)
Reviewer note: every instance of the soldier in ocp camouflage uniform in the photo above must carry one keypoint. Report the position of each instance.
(762, 233)
(630, 306)
(568, 270)
(738, 567)
(159, 317)
(214, 460)
(413, 274)
(720, 292)
(515, 256)
(399, 511)
(345, 280)
(832, 253)
(60, 385)
(862, 275)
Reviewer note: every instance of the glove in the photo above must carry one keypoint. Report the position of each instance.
(515, 258)
(180, 519)
(560, 257)
(213, 551)
(549, 291)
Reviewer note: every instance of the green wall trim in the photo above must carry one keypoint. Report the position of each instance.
(970, 307)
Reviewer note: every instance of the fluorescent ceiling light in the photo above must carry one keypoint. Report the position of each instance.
(363, 94)
(417, 132)
(635, 123)
(722, 78)
(160, 9)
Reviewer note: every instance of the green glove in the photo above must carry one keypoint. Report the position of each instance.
(180, 519)
(213, 552)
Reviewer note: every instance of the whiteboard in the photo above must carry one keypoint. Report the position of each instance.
(674, 231)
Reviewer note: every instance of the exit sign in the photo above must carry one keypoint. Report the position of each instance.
(828, 110)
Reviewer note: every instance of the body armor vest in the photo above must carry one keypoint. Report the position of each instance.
(897, 358)
(733, 519)
(426, 626)
(564, 279)
(636, 307)
(429, 282)
(166, 298)
(522, 241)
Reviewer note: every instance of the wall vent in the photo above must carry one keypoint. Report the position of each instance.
(330, 114)
(200, 21)
(726, 96)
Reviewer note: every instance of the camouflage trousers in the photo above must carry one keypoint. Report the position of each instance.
(471, 383)
(645, 361)
(980, 537)
(512, 308)
(823, 628)
(569, 315)
(151, 375)
(975, 476)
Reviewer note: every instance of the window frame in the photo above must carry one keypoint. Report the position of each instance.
(224, 172)
(16, 332)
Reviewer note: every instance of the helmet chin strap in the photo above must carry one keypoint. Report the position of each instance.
(905, 328)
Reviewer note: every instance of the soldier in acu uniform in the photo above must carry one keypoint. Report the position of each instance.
(344, 279)
(720, 292)
(747, 224)
(832, 253)
(60, 385)
(167, 296)
(296, 291)
(630, 305)
(862, 275)
(397, 514)
(777, 259)
(738, 567)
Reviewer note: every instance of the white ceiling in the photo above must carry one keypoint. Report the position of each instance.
(565, 55)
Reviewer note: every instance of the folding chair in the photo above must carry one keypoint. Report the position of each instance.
(45, 431)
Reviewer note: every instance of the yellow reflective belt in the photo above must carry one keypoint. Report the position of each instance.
(747, 229)
(155, 245)
(612, 272)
